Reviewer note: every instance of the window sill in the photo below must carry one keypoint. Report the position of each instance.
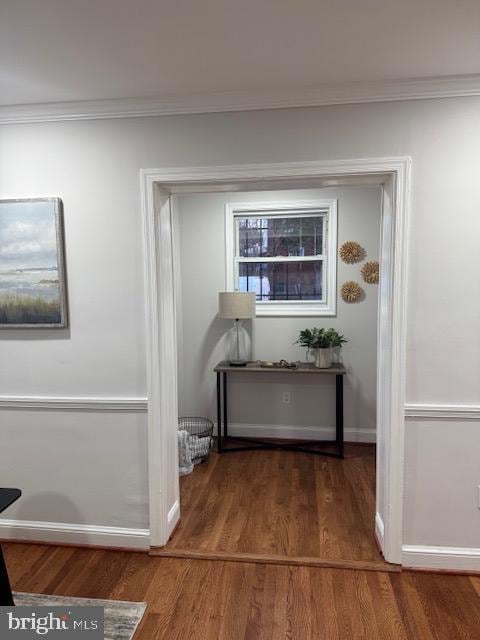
(295, 311)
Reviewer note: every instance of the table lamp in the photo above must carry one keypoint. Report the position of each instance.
(235, 305)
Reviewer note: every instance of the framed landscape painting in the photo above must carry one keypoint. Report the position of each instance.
(32, 266)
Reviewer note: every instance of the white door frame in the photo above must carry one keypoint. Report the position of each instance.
(156, 186)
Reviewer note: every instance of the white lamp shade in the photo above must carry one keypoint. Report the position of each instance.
(235, 305)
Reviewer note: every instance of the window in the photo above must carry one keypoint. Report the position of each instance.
(286, 254)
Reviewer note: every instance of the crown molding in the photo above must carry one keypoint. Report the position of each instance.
(322, 95)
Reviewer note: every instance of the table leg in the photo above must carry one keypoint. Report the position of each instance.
(339, 414)
(219, 414)
(225, 409)
(6, 598)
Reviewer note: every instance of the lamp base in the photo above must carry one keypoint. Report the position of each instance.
(238, 363)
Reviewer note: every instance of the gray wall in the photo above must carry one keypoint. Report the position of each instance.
(94, 166)
(201, 243)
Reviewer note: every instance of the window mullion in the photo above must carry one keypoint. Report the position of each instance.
(319, 258)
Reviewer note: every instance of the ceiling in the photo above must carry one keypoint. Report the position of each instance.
(70, 50)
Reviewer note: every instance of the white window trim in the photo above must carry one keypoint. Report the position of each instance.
(284, 308)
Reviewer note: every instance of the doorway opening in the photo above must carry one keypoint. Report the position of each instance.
(212, 496)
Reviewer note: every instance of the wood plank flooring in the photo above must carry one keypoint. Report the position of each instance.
(281, 504)
(194, 599)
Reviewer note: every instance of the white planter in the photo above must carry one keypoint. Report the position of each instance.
(322, 358)
(335, 355)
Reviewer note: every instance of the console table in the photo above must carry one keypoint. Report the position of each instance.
(223, 369)
(7, 497)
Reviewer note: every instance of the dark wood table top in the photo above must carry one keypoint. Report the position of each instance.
(8, 497)
(304, 367)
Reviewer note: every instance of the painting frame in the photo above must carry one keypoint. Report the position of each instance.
(61, 265)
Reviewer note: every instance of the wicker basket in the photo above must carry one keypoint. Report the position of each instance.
(201, 432)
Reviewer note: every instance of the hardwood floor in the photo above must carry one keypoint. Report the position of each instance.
(281, 504)
(194, 599)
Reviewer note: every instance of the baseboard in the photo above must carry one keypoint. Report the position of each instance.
(300, 432)
(379, 530)
(441, 558)
(173, 518)
(81, 534)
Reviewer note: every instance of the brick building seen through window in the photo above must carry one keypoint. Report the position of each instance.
(281, 258)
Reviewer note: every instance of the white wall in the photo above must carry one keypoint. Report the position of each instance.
(442, 457)
(76, 467)
(82, 467)
(201, 224)
(93, 166)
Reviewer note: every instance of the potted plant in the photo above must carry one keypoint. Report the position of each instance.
(320, 342)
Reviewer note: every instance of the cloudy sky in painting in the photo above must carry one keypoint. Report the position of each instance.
(27, 235)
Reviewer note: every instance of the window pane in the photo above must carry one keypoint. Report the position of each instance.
(276, 237)
(282, 280)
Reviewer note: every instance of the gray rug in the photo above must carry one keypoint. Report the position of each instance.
(121, 618)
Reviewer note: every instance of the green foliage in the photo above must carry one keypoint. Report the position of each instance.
(320, 338)
(28, 310)
(336, 339)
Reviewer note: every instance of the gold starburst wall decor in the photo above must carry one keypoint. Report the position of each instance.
(371, 272)
(351, 252)
(351, 291)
